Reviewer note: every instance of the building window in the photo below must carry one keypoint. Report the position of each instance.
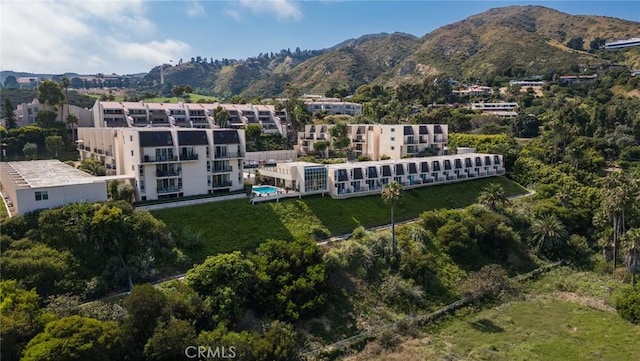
(131, 138)
(42, 195)
(393, 148)
(393, 139)
(393, 129)
(132, 152)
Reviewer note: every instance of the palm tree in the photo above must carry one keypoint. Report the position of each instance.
(493, 195)
(631, 246)
(65, 83)
(548, 233)
(620, 196)
(72, 120)
(391, 193)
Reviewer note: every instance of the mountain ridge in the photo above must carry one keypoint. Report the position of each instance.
(502, 42)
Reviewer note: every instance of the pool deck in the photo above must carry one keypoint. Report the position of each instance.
(259, 198)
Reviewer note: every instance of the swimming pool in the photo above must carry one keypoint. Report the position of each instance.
(265, 190)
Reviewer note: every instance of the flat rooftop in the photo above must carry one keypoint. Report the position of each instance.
(47, 173)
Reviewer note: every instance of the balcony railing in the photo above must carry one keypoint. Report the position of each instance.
(171, 173)
(222, 184)
(185, 157)
(229, 155)
(150, 159)
(221, 170)
(173, 189)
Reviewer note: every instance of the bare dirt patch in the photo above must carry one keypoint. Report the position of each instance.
(590, 302)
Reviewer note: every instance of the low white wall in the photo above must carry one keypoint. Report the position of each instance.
(190, 202)
(278, 155)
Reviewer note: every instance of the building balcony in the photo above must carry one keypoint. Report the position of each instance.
(165, 190)
(228, 155)
(221, 170)
(151, 159)
(189, 157)
(168, 174)
(221, 184)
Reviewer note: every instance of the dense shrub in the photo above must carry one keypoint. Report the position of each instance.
(627, 302)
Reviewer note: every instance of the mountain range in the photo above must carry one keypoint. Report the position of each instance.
(506, 42)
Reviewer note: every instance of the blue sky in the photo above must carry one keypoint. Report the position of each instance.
(130, 36)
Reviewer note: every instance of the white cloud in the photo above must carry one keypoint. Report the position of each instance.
(194, 9)
(283, 9)
(232, 13)
(81, 36)
(153, 52)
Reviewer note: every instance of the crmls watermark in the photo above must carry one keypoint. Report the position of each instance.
(210, 353)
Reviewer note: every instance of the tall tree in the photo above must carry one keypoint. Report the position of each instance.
(548, 234)
(631, 246)
(75, 338)
(390, 194)
(49, 93)
(340, 137)
(30, 151)
(54, 143)
(493, 195)
(620, 195)
(72, 121)
(65, 83)
(9, 115)
(221, 116)
(294, 106)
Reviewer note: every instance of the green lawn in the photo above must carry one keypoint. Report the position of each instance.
(194, 98)
(543, 328)
(239, 225)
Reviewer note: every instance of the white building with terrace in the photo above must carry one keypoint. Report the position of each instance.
(111, 114)
(381, 140)
(366, 178)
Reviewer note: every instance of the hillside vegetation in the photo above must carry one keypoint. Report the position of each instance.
(505, 42)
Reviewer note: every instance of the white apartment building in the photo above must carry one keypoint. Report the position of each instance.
(188, 115)
(26, 113)
(332, 106)
(169, 162)
(377, 140)
(40, 184)
(365, 178)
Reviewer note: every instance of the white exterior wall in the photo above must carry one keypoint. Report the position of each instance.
(191, 175)
(347, 188)
(59, 196)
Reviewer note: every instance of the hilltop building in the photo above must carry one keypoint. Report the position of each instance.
(622, 43)
(502, 110)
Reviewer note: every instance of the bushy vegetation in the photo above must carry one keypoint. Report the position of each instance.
(627, 302)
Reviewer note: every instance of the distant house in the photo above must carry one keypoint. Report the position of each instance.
(27, 82)
(622, 43)
(502, 109)
(526, 83)
(573, 79)
(474, 90)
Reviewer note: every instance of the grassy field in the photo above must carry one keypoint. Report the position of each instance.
(239, 225)
(564, 315)
(542, 328)
(194, 98)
